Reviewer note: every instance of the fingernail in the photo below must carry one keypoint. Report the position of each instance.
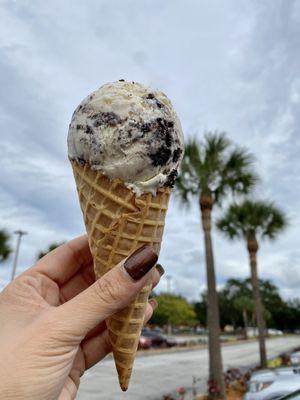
(140, 262)
(153, 303)
(160, 269)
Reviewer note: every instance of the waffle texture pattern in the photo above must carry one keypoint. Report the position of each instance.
(117, 223)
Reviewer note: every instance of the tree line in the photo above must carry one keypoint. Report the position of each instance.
(236, 308)
(235, 302)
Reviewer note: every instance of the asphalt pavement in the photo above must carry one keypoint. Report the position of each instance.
(158, 374)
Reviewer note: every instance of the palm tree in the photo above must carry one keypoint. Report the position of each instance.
(244, 305)
(5, 249)
(51, 247)
(210, 171)
(252, 220)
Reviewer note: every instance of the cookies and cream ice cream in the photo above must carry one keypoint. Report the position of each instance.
(128, 131)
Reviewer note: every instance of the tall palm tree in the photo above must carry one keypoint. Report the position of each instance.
(251, 221)
(5, 249)
(210, 171)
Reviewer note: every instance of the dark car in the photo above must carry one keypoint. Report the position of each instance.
(150, 339)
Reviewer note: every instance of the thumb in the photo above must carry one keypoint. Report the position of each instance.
(111, 293)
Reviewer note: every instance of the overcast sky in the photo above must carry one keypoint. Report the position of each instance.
(229, 65)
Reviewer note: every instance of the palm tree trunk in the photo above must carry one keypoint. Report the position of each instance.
(213, 319)
(258, 306)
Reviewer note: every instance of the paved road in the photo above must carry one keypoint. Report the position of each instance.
(158, 374)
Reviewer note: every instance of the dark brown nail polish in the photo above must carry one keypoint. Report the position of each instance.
(160, 269)
(140, 262)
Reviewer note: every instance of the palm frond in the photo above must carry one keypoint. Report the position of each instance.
(258, 218)
(188, 181)
(232, 223)
(183, 191)
(214, 166)
(276, 221)
(215, 144)
(5, 249)
(192, 154)
(238, 174)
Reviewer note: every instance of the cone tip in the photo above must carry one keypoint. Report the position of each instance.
(124, 387)
(124, 381)
(124, 375)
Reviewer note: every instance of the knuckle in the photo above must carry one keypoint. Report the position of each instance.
(107, 291)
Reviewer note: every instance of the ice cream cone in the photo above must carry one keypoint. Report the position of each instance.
(125, 143)
(117, 223)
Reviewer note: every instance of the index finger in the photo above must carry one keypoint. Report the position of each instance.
(65, 261)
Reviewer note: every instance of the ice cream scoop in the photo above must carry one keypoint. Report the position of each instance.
(130, 132)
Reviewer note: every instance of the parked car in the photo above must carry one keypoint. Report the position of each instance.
(170, 341)
(273, 384)
(293, 396)
(295, 358)
(150, 339)
(274, 332)
(157, 329)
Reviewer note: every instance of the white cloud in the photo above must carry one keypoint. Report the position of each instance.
(230, 66)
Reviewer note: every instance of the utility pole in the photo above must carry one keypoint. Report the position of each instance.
(169, 325)
(168, 278)
(14, 268)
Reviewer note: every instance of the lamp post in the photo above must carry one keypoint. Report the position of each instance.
(169, 325)
(168, 278)
(14, 268)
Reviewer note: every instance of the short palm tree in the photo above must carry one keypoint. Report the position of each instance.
(210, 171)
(251, 221)
(5, 249)
(244, 305)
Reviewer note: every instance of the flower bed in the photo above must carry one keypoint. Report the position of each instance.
(234, 391)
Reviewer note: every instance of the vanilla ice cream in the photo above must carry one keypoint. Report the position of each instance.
(128, 131)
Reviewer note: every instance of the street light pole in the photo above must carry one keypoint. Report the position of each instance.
(14, 268)
(168, 278)
(169, 325)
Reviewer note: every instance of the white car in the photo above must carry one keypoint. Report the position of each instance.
(293, 396)
(274, 332)
(272, 384)
(295, 358)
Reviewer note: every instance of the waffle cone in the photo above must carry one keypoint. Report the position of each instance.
(117, 223)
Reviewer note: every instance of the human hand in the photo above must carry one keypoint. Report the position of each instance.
(53, 320)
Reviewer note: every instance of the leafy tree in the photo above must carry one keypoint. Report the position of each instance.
(211, 171)
(229, 314)
(200, 311)
(174, 310)
(250, 221)
(5, 249)
(282, 315)
(287, 317)
(51, 247)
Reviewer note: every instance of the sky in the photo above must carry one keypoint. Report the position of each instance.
(232, 66)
